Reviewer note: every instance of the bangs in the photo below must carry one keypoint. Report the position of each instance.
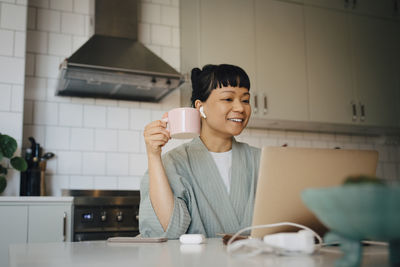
(228, 75)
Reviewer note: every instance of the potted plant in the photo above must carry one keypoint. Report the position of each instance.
(8, 146)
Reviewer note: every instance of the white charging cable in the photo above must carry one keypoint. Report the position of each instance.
(257, 246)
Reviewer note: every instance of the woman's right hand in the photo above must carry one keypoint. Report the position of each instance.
(156, 136)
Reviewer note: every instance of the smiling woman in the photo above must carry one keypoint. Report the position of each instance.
(206, 186)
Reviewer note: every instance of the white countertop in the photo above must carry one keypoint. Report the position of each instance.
(168, 254)
(9, 199)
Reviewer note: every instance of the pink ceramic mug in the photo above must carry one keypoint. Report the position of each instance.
(183, 123)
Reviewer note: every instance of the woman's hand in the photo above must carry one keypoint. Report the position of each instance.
(156, 136)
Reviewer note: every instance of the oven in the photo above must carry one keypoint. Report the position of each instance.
(100, 214)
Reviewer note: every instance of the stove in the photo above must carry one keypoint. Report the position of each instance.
(100, 214)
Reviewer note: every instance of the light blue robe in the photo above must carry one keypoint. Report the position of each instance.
(202, 204)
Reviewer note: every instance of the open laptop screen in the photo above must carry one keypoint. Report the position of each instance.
(285, 172)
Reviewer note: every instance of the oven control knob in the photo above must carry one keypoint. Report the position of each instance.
(119, 216)
(103, 216)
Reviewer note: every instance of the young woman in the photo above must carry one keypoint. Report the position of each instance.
(206, 186)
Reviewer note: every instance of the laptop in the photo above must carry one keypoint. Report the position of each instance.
(285, 172)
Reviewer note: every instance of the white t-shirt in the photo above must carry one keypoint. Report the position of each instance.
(223, 160)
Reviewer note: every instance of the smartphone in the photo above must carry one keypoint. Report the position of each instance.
(129, 239)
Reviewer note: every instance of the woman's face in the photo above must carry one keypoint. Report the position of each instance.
(228, 111)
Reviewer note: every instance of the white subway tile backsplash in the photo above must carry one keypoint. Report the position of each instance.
(117, 164)
(163, 2)
(70, 114)
(94, 163)
(144, 33)
(383, 152)
(82, 139)
(94, 116)
(128, 141)
(48, 20)
(11, 124)
(173, 100)
(117, 118)
(176, 38)
(72, 23)
(161, 35)
(20, 41)
(60, 44)
(137, 164)
(128, 104)
(39, 3)
(35, 88)
(7, 42)
(171, 56)
(57, 138)
(265, 142)
(150, 13)
(64, 5)
(170, 16)
(128, 183)
(5, 97)
(81, 182)
(31, 18)
(37, 42)
(12, 70)
(175, 3)
(139, 118)
(45, 113)
(302, 143)
(157, 115)
(13, 17)
(78, 41)
(106, 140)
(55, 184)
(82, 6)
(105, 182)
(319, 144)
(70, 162)
(47, 66)
(83, 100)
(106, 102)
(358, 139)
(17, 98)
(156, 49)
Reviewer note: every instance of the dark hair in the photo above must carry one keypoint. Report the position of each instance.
(216, 76)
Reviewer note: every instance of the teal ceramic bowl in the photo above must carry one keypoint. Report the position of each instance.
(358, 212)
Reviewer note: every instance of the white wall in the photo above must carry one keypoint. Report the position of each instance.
(99, 143)
(12, 72)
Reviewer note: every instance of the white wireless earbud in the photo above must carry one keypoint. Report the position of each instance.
(202, 112)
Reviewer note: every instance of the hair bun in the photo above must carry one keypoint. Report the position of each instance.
(195, 74)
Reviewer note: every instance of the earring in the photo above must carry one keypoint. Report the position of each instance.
(202, 112)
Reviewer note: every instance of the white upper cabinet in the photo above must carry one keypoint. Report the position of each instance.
(280, 61)
(227, 34)
(374, 54)
(330, 82)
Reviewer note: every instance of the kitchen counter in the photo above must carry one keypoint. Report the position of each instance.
(168, 254)
(34, 200)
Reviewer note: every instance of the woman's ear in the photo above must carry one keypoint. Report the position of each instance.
(198, 104)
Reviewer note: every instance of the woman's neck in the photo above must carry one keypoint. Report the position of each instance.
(215, 143)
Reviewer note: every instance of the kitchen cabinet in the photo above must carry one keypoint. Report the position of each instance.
(33, 220)
(316, 65)
(281, 85)
(381, 8)
(351, 68)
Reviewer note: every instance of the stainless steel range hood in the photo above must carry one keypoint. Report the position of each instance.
(113, 64)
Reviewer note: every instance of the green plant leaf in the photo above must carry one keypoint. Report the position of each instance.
(8, 145)
(3, 183)
(1, 155)
(19, 164)
(3, 170)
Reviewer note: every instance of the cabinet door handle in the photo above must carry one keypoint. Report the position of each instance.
(362, 109)
(255, 104)
(65, 227)
(265, 105)
(354, 108)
